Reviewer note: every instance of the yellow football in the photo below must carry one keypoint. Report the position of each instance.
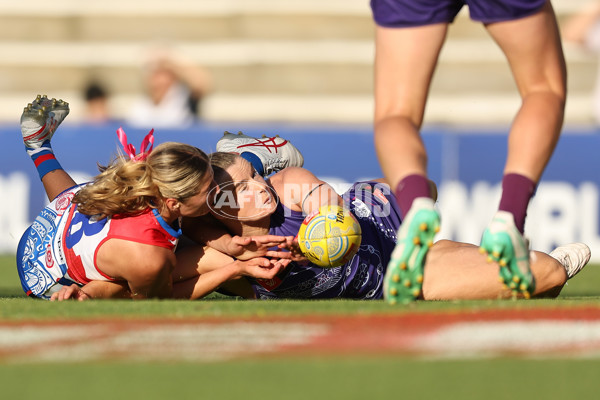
(330, 237)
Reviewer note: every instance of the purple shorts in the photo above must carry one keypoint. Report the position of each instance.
(407, 13)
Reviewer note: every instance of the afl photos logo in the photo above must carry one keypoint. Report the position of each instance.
(246, 200)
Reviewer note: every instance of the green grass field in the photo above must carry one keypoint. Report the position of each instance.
(298, 377)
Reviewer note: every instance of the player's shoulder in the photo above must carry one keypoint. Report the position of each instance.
(293, 175)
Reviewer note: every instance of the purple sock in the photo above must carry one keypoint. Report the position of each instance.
(517, 190)
(410, 188)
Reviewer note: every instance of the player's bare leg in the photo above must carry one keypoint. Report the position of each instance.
(458, 271)
(404, 64)
(533, 49)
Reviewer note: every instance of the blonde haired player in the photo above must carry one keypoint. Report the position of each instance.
(122, 227)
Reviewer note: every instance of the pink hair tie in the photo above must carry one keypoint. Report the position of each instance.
(145, 147)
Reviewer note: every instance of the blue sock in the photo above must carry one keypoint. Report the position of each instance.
(255, 161)
(44, 159)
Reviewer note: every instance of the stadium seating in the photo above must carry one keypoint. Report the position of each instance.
(271, 60)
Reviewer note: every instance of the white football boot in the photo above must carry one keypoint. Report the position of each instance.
(573, 257)
(275, 153)
(40, 119)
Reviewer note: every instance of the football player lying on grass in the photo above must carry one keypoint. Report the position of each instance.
(123, 227)
(247, 205)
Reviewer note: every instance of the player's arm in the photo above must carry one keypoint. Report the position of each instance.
(93, 290)
(300, 190)
(207, 230)
(201, 270)
(146, 268)
(206, 283)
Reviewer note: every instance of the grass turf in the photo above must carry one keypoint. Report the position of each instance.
(317, 378)
(581, 290)
(348, 377)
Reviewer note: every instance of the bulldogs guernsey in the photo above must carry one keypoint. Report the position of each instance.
(61, 245)
(361, 278)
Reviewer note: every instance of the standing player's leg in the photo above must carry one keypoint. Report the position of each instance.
(405, 61)
(533, 49)
(39, 121)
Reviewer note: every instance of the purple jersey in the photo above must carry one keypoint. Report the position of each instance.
(361, 278)
(406, 13)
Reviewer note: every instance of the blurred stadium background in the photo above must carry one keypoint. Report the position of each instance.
(301, 69)
(271, 60)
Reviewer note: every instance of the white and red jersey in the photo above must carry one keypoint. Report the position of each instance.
(62, 244)
(83, 235)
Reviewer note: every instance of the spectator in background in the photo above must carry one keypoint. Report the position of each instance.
(96, 100)
(583, 29)
(175, 88)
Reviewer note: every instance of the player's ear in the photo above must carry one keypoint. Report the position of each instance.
(172, 204)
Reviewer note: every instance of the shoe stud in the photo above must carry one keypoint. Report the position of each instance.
(403, 266)
(416, 293)
(396, 278)
(394, 292)
(417, 241)
(423, 227)
(407, 282)
(523, 287)
(420, 279)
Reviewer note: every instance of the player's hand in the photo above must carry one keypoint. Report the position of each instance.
(263, 268)
(248, 247)
(295, 254)
(72, 292)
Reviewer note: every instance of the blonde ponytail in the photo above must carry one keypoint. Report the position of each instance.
(171, 170)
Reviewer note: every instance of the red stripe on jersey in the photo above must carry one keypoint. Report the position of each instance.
(74, 265)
